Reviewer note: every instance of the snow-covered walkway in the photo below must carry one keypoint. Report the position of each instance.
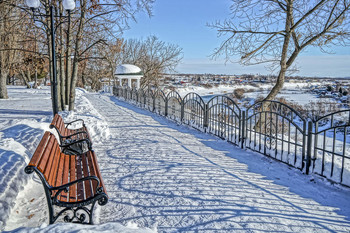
(161, 176)
(172, 178)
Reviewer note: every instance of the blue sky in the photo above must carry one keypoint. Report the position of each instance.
(183, 22)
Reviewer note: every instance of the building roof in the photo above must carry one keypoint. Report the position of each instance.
(128, 69)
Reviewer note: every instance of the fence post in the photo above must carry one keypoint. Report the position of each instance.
(182, 110)
(242, 128)
(206, 115)
(166, 106)
(309, 147)
(154, 102)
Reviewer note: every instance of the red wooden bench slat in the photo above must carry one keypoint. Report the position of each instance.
(73, 188)
(45, 157)
(54, 165)
(97, 171)
(59, 179)
(61, 126)
(87, 184)
(49, 162)
(39, 150)
(55, 119)
(92, 170)
(65, 178)
(79, 171)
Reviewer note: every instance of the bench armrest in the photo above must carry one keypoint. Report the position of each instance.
(65, 187)
(69, 123)
(80, 132)
(80, 140)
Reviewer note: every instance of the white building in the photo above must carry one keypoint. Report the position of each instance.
(129, 72)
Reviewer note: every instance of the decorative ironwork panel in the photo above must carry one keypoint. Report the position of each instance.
(194, 111)
(149, 100)
(160, 102)
(224, 118)
(174, 108)
(118, 91)
(125, 93)
(128, 93)
(331, 155)
(141, 98)
(134, 95)
(276, 130)
(115, 91)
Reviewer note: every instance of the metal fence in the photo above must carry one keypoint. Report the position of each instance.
(269, 127)
(276, 130)
(194, 110)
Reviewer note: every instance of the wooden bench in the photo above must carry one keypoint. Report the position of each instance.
(70, 181)
(65, 133)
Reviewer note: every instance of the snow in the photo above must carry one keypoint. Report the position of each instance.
(222, 89)
(127, 69)
(161, 176)
(70, 227)
(294, 92)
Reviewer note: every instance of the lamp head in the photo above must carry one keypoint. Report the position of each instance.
(33, 3)
(68, 5)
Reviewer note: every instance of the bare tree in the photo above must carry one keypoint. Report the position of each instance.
(9, 24)
(153, 56)
(96, 23)
(277, 31)
(112, 55)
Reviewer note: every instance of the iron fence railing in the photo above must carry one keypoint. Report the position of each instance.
(276, 130)
(269, 127)
(194, 110)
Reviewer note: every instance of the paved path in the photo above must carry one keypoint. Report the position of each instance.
(172, 178)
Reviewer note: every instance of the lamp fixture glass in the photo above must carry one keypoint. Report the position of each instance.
(33, 3)
(68, 5)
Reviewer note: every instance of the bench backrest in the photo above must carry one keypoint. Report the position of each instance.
(59, 169)
(58, 123)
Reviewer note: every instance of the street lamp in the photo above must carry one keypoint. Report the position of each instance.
(68, 5)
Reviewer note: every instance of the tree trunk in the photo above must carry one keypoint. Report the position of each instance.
(3, 72)
(24, 77)
(36, 78)
(73, 84)
(283, 63)
(261, 124)
(28, 77)
(76, 56)
(278, 86)
(3, 88)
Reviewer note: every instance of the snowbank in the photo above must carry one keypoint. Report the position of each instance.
(22, 123)
(94, 121)
(71, 227)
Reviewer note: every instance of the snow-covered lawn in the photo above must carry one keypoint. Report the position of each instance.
(161, 176)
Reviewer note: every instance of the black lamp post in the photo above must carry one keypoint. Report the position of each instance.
(68, 5)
